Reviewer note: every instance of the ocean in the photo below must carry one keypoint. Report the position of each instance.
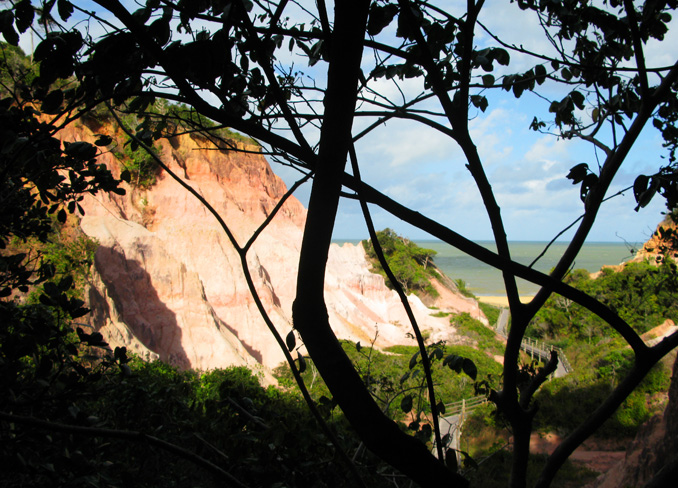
(482, 280)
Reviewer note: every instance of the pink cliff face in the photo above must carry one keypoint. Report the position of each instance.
(167, 283)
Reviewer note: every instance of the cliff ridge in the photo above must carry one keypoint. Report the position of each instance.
(168, 284)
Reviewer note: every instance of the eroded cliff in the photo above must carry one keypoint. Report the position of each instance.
(168, 283)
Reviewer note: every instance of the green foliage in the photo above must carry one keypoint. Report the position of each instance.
(262, 436)
(412, 265)
(565, 401)
(642, 294)
(15, 69)
(462, 287)
(189, 119)
(43, 177)
(225, 67)
(484, 336)
(395, 374)
(141, 167)
(491, 312)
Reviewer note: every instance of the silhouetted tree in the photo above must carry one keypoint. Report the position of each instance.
(231, 62)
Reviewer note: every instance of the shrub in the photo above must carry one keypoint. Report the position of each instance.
(411, 265)
(474, 329)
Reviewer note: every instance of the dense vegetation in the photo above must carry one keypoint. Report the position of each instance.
(645, 295)
(412, 265)
(382, 371)
(641, 293)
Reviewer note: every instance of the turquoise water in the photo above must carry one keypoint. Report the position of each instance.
(483, 280)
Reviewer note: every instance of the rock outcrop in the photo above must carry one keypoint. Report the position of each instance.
(663, 242)
(168, 283)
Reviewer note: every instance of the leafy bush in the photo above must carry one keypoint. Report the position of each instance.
(490, 311)
(462, 287)
(474, 329)
(563, 402)
(141, 167)
(395, 373)
(642, 294)
(411, 265)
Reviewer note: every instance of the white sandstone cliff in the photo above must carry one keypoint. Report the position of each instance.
(168, 283)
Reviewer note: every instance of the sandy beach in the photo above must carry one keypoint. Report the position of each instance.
(501, 301)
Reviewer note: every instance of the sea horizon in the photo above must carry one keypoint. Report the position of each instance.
(483, 280)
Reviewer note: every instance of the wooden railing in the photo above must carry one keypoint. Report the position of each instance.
(464, 406)
(534, 347)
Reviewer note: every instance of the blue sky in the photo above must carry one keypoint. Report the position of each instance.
(426, 171)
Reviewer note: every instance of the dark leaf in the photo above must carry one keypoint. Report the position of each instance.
(470, 368)
(302, 363)
(646, 197)
(537, 124)
(7, 27)
(540, 73)
(501, 56)
(65, 9)
(291, 341)
(578, 99)
(469, 462)
(380, 17)
(640, 186)
(436, 354)
(103, 140)
(120, 354)
(451, 460)
(488, 80)
(406, 403)
(80, 312)
(479, 101)
(81, 150)
(454, 362)
(578, 173)
(24, 14)
(66, 283)
(51, 104)
(413, 359)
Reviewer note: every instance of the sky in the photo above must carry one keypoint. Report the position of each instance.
(426, 172)
(527, 170)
